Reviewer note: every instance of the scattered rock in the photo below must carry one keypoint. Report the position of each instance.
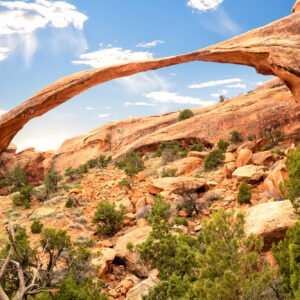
(244, 158)
(265, 158)
(249, 173)
(229, 169)
(198, 154)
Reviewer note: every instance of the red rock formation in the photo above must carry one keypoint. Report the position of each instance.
(296, 6)
(267, 49)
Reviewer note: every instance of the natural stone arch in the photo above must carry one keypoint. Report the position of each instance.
(272, 50)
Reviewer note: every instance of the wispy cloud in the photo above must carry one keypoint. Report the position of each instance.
(4, 51)
(168, 97)
(237, 86)
(102, 116)
(90, 108)
(204, 5)
(144, 82)
(138, 104)
(150, 44)
(222, 92)
(20, 20)
(214, 83)
(111, 56)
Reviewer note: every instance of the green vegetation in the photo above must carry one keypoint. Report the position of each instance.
(275, 136)
(125, 183)
(244, 194)
(222, 98)
(168, 172)
(70, 202)
(132, 164)
(223, 145)
(51, 181)
(170, 151)
(23, 197)
(287, 256)
(213, 159)
(222, 263)
(71, 173)
(188, 201)
(17, 178)
(290, 188)
(236, 137)
(108, 220)
(185, 114)
(196, 147)
(36, 227)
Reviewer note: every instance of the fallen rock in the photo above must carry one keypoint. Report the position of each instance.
(265, 158)
(143, 288)
(171, 184)
(249, 145)
(249, 173)
(184, 165)
(104, 261)
(198, 154)
(229, 169)
(270, 221)
(244, 157)
(229, 157)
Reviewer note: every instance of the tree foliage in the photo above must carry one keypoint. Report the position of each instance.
(185, 114)
(223, 145)
(132, 164)
(236, 137)
(213, 159)
(244, 194)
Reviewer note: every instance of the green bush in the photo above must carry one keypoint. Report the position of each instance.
(196, 147)
(213, 159)
(103, 162)
(168, 172)
(71, 173)
(51, 181)
(170, 151)
(223, 145)
(236, 137)
(244, 194)
(108, 220)
(82, 169)
(290, 188)
(23, 197)
(70, 202)
(221, 264)
(287, 256)
(17, 178)
(125, 183)
(92, 163)
(132, 164)
(36, 227)
(185, 114)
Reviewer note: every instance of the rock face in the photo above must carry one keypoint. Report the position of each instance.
(270, 221)
(296, 7)
(266, 49)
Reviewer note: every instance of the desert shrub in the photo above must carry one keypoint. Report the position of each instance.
(23, 197)
(51, 181)
(212, 196)
(168, 172)
(36, 227)
(125, 183)
(223, 145)
(40, 192)
(221, 264)
(103, 162)
(132, 164)
(170, 151)
(188, 201)
(287, 256)
(92, 163)
(196, 147)
(82, 169)
(181, 222)
(108, 220)
(290, 188)
(185, 114)
(236, 137)
(69, 203)
(71, 173)
(213, 159)
(251, 137)
(222, 98)
(244, 194)
(17, 178)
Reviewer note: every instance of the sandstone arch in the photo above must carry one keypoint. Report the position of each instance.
(272, 50)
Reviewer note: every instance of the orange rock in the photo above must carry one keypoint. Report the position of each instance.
(244, 158)
(296, 6)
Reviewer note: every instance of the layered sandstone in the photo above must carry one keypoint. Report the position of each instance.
(271, 50)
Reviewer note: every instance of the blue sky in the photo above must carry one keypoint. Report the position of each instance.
(43, 40)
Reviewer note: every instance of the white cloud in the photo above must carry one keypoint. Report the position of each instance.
(111, 56)
(41, 144)
(204, 5)
(69, 115)
(2, 112)
(138, 104)
(101, 116)
(90, 108)
(259, 83)
(168, 97)
(4, 51)
(20, 20)
(150, 44)
(237, 86)
(144, 82)
(214, 83)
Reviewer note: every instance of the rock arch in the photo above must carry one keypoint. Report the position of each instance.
(272, 50)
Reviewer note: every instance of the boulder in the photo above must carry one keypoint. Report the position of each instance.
(249, 173)
(198, 154)
(270, 221)
(143, 288)
(265, 158)
(244, 158)
(229, 169)
(171, 184)
(104, 261)
(296, 7)
(249, 145)
(229, 157)
(276, 176)
(184, 165)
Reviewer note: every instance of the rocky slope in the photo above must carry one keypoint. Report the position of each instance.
(267, 49)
